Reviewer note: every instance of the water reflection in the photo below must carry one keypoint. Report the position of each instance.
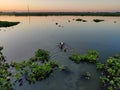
(21, 41)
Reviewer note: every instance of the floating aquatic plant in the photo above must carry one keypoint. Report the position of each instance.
(31, 70)
(111, 73)
(42, 55)
(91, 57)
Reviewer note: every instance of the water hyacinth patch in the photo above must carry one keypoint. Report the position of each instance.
(42, 55)
(34, 71)
(111, 73)
(31, 70)
(91, 57)
(5, 83)
(75, 57)
(100, 66)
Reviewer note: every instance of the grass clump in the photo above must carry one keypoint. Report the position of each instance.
(8, 24)
(91, 57)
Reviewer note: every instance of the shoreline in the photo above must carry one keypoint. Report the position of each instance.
(116, 14)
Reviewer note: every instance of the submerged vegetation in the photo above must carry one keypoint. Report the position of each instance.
(110, 70)
(87, 75)
(8, 24)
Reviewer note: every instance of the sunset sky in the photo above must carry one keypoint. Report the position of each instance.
(61, 5)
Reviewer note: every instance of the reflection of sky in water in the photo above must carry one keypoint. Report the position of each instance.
(22, 40)
(42, 32)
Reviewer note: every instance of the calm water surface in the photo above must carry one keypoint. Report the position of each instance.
(22, 40)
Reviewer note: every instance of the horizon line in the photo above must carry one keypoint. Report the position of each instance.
(60, 11)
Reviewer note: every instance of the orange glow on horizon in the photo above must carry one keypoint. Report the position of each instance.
(59, 6)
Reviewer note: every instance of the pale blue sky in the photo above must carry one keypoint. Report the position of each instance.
(60, 5)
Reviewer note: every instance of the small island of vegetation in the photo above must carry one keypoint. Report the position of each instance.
(81, 20)
(8, 24)
(97, 20)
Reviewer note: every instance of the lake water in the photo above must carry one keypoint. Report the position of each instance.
(21, 41)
